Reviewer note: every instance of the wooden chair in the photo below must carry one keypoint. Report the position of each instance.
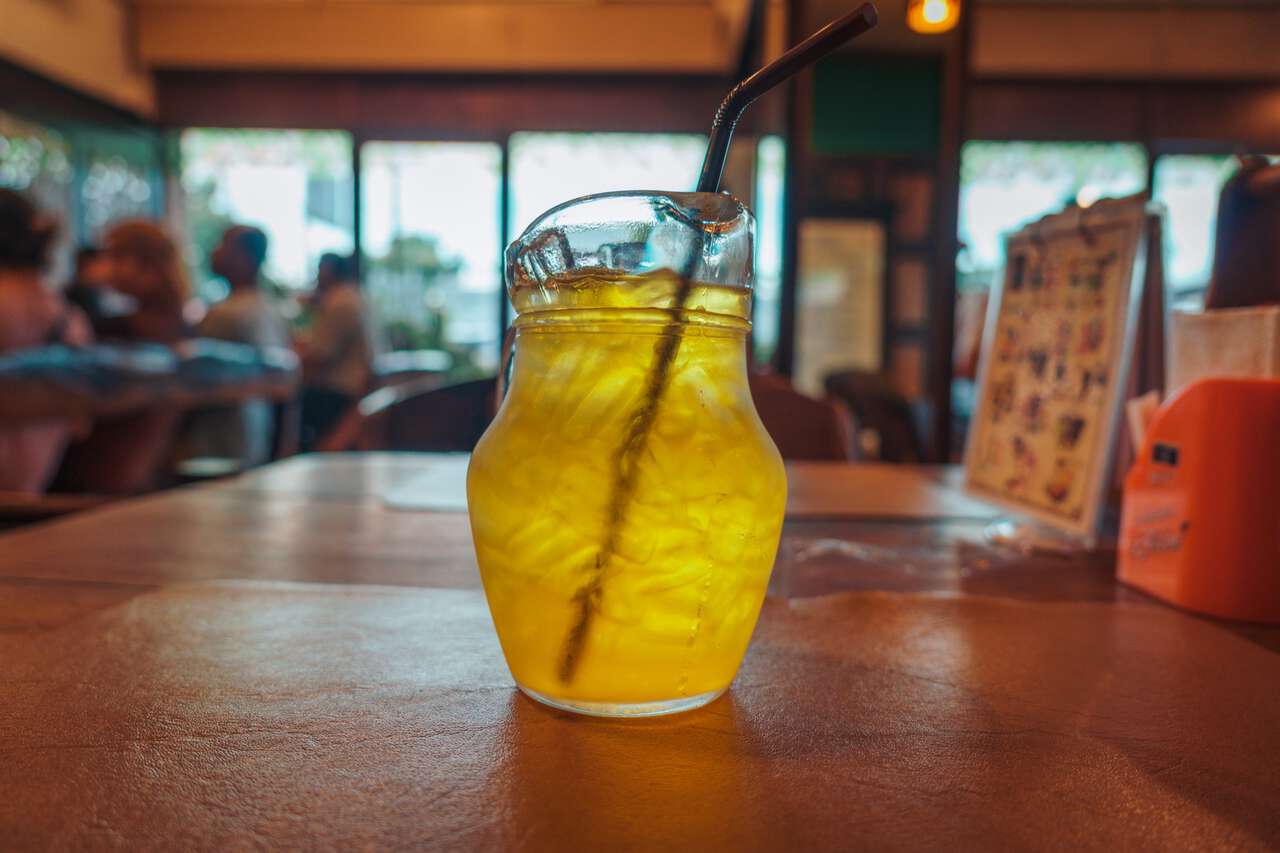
(971, 316)
(19, 508)
(124, 455)
(879, 408)
(419, 415)
(402, 366)
(802, 427)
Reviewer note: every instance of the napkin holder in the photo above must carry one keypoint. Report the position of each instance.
(1200, 525)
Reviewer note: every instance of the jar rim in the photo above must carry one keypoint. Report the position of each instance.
(651, 239)
(682, 200)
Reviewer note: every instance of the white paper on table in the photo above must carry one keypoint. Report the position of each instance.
(443, 488)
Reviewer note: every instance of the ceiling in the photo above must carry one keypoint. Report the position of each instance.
(890, 35)
(1142, 4)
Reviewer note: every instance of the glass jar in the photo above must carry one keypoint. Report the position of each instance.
(626, 502)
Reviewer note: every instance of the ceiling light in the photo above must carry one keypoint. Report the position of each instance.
(932, 16)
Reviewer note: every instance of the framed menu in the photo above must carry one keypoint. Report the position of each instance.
(1056, 365)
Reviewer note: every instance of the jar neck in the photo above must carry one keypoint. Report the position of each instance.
(628, 296)
(633, 321)
(569, 356)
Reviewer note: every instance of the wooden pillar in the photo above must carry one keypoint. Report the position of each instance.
(942, 301)
(357, 212)
(504, 239)
(796, 132)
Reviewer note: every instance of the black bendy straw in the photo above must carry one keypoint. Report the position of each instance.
(797, 59)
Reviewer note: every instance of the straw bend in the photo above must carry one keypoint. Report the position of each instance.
(742, 95)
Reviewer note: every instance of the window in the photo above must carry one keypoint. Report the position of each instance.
(550, 168)
(430, 228)
(295, 185)
(1005, 185)
(770, 180)
(1188, 186)
(430, 214)
(36, 160)
(120, 182)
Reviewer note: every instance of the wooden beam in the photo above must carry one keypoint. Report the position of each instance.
(82, 44)
(1126, 42)
(382, 35)
(797, 129)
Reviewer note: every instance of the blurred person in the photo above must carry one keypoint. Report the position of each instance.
(337, 353)
(243, 432)
(127, 454)
(93, 268)
(90, 290)
(145, 265)
(31, 316)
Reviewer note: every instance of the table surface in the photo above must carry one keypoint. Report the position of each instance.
(280, 660)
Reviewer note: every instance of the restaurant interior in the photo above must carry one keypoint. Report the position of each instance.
(637, 424)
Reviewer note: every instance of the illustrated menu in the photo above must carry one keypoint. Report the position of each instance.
(1054, 368)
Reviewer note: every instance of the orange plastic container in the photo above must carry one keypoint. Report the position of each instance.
(1200, 526)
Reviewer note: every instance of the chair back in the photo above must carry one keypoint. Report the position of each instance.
(802, 427)
(879, 408)
(419, 415)
(286, 426)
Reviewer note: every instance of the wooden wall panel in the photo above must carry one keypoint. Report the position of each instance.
(39, 98)
(1054, 110)
(1246, 114)
(411, 105)
(1243, 113)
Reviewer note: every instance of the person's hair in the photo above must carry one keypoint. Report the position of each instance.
(148, 244)
(254, 243)
(25, 235)
(342, 264)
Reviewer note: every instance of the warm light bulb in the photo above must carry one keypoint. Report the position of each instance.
(930, 17)
(935, 11)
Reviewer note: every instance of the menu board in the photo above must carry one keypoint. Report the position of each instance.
(1057, 350)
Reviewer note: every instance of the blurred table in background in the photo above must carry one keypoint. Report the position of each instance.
(107, 380)
(284, 660)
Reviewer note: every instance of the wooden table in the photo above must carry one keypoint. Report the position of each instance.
(281, 661)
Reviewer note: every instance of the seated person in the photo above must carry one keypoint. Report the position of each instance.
(31, 316)
(241, 432)
(125, 455)
(337, 355)
(145, 265)
(90, 290)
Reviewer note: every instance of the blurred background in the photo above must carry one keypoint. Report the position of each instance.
(420, 137)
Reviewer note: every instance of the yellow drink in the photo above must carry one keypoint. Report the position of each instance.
(614, 602)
